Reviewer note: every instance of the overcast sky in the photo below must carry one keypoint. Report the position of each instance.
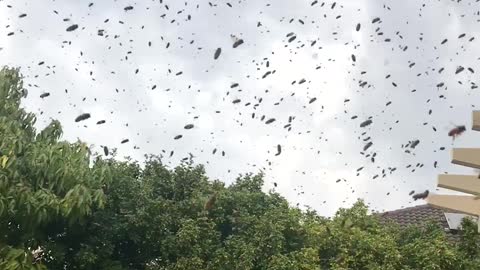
(328, 79)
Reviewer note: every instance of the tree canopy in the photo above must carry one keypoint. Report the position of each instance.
(63, 208)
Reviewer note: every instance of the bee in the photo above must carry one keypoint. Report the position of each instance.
(457, 131)
(279, 150)
(236, 41)
(81, 117)
(420, 196)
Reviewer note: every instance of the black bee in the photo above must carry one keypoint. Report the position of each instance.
(422, 195)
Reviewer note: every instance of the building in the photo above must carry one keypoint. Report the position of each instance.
(417, 215)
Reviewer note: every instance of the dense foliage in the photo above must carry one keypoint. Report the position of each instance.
(60, 208)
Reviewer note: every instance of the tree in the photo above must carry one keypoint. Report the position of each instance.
(61, 208)
(44, 182)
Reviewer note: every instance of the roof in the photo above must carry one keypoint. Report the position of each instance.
(420, 214)
(416, 215)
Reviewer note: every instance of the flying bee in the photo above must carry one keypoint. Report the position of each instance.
(420, 196)
(457, 131)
